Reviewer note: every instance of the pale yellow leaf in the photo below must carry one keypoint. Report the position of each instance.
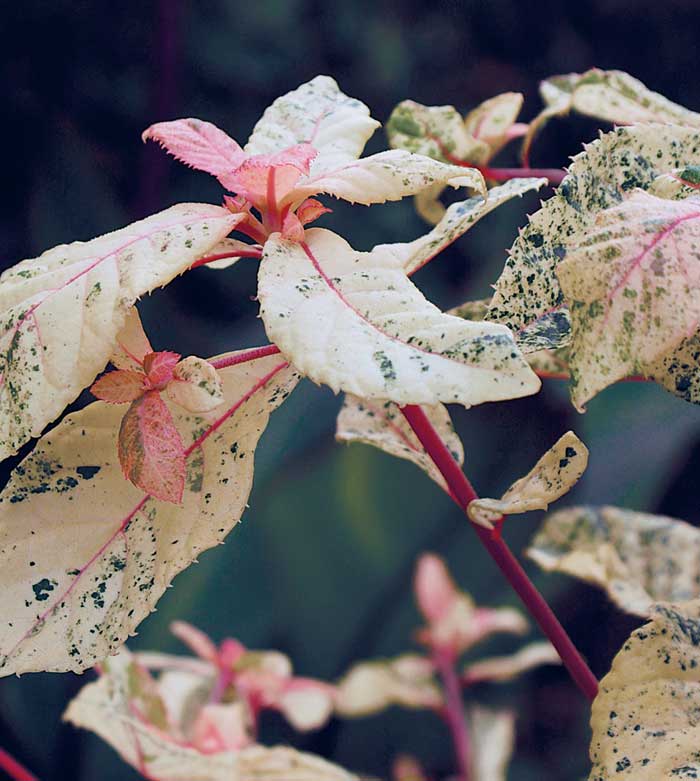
(639, 559)
(61, 312)
(86, 555)
(195, 385)
(492, 736)
(428, 204)
(553, 475)
(645, 718)
(320, 114)
(502, 669)
(370, 687)
(492, 120)
(355, 322)
(382, 425)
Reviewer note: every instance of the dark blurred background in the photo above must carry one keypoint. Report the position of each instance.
(321, 565)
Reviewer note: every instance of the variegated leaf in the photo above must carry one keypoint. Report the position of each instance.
(86, 555)
(527, 296)
(553, 475)
(493, 121)
(195, 385)
(381, 424)
(639, 559)
(632, 290)
(355, 322)
(502, 669)
(61, 312)
(645, 718)
(320, 114)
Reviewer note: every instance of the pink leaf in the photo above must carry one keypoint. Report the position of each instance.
(159, 368)
(150, 449)
(292, 228)
(311, 209)
(198, 642)
(198, 144)
(118, 387)
(435, 589)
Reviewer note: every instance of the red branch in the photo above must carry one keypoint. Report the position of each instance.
(252, 253)
(245, 356)
(13, 768)
(555, 176)
(532, 599)
(453, 712)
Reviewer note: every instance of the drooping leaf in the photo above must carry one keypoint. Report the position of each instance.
(195, 385)
(613, 96)
(151, 452)
(106, 708)
(370, 687)
(645, 718)
(317, 113)
(386, 176)
(61, 312)
(197, 144)
(527, 296)
(381, 424)
(493, 739)
(86, 555)
(381, 339)
(501, 669)
(457, 220)
(632, 289)
(637, 558)
(553, 475)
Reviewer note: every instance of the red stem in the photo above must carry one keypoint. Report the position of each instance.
(462, 490)
(253, 253)
(554, 175)
(245, 356)
(453, 712)
(13, 768)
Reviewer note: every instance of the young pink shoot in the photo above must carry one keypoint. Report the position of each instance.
(502, 555)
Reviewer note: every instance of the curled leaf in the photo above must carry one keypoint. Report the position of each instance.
(370, 687)
(645, 717)
(382, 425)
(384, 340)
(553, 475)
(501, 669)
(637, 558)
(61, 312)
(86, 555)
(195, 385)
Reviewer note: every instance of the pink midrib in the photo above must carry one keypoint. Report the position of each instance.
(329, 282)
(128, 518)
(101, 259)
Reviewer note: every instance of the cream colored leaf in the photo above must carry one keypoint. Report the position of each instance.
(386, 176)
(632, 288)
(132, 344)
(435, 131)
(471, 310)
(528, 297)
(355, 322)
(381, 424)
(645, 718)
(61, 312)
(225, 247)
(320, 114)
(105, 707)
(457, 220)
(679, 371)
(86, 555)
(370, 687)
(637, 558)
(553, 475)
(492, 121)
(195, 385)
(493, 740)
(501, 669)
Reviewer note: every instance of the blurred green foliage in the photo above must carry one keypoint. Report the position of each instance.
(321, 565)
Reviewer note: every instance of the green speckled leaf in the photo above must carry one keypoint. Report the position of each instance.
(639, 559)
(645, 717)
(527, 296)
(354, 321)
(61, 312)
(86, 555)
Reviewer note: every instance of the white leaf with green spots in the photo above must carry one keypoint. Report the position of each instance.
(457, 220)
(316, 113)
(162, 751)
(86, 555)
(553, 475)
(528, 298)
(645, 718)
(613, 96)
(381, 424)
(637, 558)
(494, 120)
(633, 290)
(61, 312)
(354, 321)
